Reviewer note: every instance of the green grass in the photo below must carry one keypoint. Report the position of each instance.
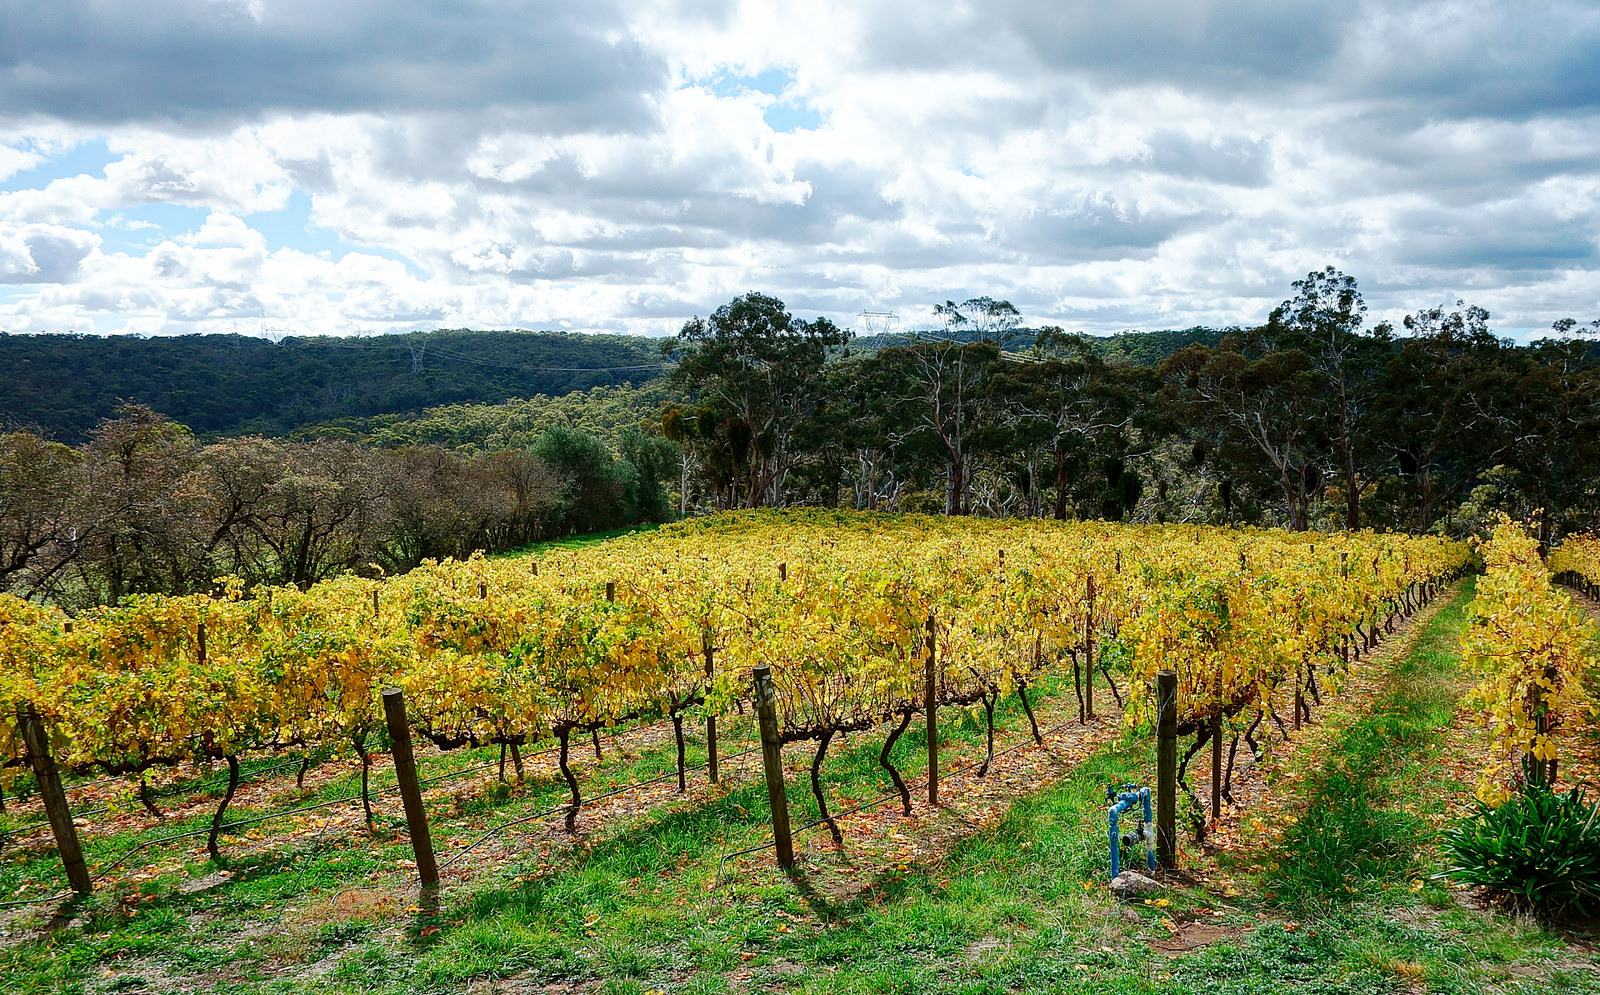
(573, 542)
(1005, 910)
(1368, 802)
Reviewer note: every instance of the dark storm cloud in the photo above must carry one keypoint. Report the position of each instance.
(1096, 228)
(1510, 60)
(1506, 60)
(1223, 42)
(113, 61)
(1505, 237)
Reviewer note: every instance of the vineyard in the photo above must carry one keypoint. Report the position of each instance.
(863, 623)
(1039, 646)
(1576, 562)
(1530, 644)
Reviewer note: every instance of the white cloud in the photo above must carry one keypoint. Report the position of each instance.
(1152, 165)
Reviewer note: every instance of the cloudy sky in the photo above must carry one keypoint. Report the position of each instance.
(172, 166)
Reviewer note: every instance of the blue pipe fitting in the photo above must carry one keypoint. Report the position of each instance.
(1127, 798)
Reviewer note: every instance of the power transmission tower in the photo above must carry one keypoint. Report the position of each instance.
(272, 333)
(876, 322)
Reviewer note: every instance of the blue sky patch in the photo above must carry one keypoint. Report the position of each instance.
(86, 157)
(136, 230)
(788, 113)
(292, 228)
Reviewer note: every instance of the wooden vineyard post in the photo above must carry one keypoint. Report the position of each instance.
(200, 642)
(374, 602)
(783, 571)
(1216, 767)
(930, 705)
(611, 590)
(1167, 768)
(711, 719)
(1299, 702)
(1088, 636)
(772, 760)
(55, 800)
(405, 770)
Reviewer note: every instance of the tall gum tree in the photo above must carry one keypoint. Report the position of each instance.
(1323, 321)
(762, 367)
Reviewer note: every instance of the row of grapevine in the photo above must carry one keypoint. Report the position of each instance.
(842, 608)
(1529, 644)
(1576, 562)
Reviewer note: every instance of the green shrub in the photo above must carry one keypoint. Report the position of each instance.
(1539, 849)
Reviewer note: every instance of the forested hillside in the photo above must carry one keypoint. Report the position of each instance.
(1310, 420)
(61, 386)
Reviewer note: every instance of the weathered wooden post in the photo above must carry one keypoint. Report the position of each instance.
(1216, 766)
(1167, 768)
(711, 719)
(1088, 638)
(772, 761)
(405, 769)
(930, 704)
(55, 800)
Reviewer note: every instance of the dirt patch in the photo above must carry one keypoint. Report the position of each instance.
(985, 949)
(1194, 935)
(522, 986)
(196, 885)
(1418, 917)
(147, 978)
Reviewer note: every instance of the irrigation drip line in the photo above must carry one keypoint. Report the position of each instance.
(173, 838)
(496, 830)
(18, 830)
(881, 800)
(35, 901)
(943, 776)
(350, 799)
(164, 793)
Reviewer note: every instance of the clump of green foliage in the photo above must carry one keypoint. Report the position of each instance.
(1539, 850)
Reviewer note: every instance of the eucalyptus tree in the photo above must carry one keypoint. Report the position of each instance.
(1323, 321)
(1544, 405)
(759, 369)
(1426, 418)
(939, 402)
(40, 510)
(1074, 406)
(1261, 415)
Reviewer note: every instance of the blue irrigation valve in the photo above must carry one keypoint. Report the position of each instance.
(1122, 801)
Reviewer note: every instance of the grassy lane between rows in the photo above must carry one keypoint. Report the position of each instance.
(1356, 870)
